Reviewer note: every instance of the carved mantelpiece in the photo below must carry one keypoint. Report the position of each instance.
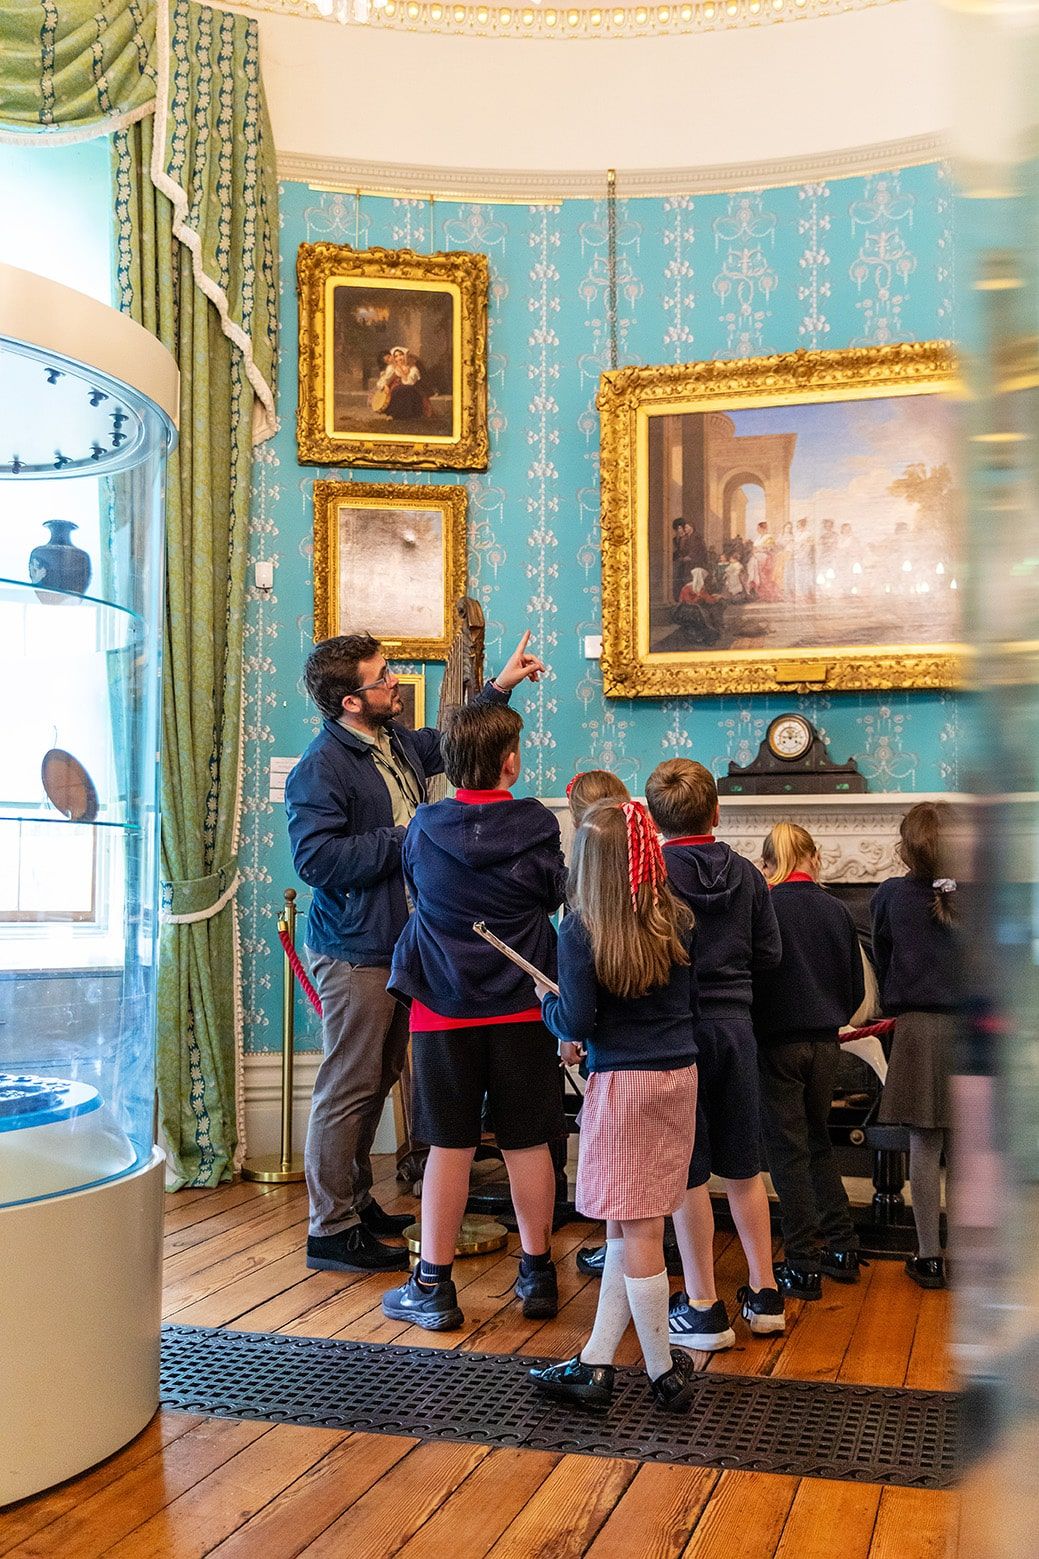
(857, 835)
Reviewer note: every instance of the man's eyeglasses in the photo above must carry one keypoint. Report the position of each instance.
(385, 680)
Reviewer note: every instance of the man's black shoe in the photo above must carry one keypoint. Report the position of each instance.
(589, 1385)
(927, 1271)
(354, 1250)
(386, 1225)
(843, 1266)
(434, 1309)
(539, 1293)
(591, 1259)
(797, 1282)
(674, 1391)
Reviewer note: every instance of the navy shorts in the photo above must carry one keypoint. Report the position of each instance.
(515, 1066)
(728, 1109)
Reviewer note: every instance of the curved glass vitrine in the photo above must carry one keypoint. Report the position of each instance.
(82, 462)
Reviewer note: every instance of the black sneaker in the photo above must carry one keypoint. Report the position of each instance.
(391, 1225)
(927, 1271)
(708, 1330)
(539, 1293)
(844, 1266)
(591, 1259)
(434, 1309)
(797, 1282)
(354, 1250)
(674, 1391)
(762, 1309)
(589, 1385)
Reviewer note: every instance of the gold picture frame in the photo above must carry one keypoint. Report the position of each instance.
(653, 469)
(412, 688)
(390, 559)
(392, 358)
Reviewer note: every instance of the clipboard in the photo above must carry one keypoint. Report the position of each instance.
(517, 958)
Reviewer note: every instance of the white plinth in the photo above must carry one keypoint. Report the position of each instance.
(80, 1311)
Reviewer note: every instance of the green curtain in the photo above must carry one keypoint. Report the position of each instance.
(195, 218)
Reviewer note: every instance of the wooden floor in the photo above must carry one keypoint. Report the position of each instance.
(190, 1486)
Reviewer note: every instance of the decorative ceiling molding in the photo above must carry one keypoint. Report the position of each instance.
(532, 187)
(543, 20)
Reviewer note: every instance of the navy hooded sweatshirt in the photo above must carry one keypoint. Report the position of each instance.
(498, 861)
(819, 982)
(737, 934)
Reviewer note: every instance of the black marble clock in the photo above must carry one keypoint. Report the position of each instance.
(792, 760)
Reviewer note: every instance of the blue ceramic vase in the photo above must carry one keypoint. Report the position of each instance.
(58, 565)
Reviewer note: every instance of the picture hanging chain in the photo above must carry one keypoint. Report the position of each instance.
(611, 261)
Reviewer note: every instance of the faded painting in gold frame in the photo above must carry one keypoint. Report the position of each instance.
(392, 358)
(411, 685)
(390, 560)
(696, 456)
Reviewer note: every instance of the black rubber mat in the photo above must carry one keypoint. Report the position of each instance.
(865, 1434)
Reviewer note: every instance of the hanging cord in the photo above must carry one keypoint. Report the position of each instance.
(645, 857)
(611, 261)
(297, 968)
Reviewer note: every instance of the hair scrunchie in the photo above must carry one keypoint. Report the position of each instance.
(645, 857)
(944, 884)
(573, 782)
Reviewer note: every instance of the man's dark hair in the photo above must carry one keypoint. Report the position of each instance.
(676, 523)
(476, 740)
(331, 670)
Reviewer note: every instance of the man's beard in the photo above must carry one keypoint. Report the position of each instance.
(385, 719)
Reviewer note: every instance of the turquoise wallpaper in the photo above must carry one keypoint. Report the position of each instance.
(850, 261)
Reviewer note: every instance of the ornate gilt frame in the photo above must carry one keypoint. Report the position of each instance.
(450, 499)
(627, 399)
(318, 267)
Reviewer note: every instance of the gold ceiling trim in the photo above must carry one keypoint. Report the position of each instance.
(505, 186)
(547, 20)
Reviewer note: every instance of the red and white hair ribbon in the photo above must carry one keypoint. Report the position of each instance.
(645, 857)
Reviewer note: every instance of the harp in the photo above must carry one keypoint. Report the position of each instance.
(463, 677)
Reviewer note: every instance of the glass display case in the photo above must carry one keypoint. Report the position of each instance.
(87, 409)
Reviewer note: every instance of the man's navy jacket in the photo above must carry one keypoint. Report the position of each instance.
(344, 844)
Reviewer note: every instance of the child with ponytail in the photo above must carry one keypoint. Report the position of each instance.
(798, 1009)
(914, 948)
(628, 1001)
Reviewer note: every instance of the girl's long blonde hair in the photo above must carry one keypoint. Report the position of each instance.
(636, 925)
(787, 846)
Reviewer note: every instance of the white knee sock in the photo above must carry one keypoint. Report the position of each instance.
(612, 1313)
(648, 1298)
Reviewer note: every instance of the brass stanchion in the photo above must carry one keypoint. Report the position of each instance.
(286, 1165)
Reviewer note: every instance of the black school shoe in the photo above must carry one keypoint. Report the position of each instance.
(354, 1250)
(588, 1385)
(927, 1271)
(762, 1309)
(797, 1282)
(844, 1266)
(434, 1309)
(539, 1293)
(592, 1258)
(386, 1225)
(674, 1391)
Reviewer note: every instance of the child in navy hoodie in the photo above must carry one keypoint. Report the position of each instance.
(475, 1021)
(737, 936)
(798, 1009)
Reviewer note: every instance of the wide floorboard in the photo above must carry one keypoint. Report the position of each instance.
(191, 1486)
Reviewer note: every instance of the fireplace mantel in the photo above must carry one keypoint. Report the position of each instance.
(856, 834)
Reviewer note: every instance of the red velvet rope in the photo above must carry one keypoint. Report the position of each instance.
(299, 971)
